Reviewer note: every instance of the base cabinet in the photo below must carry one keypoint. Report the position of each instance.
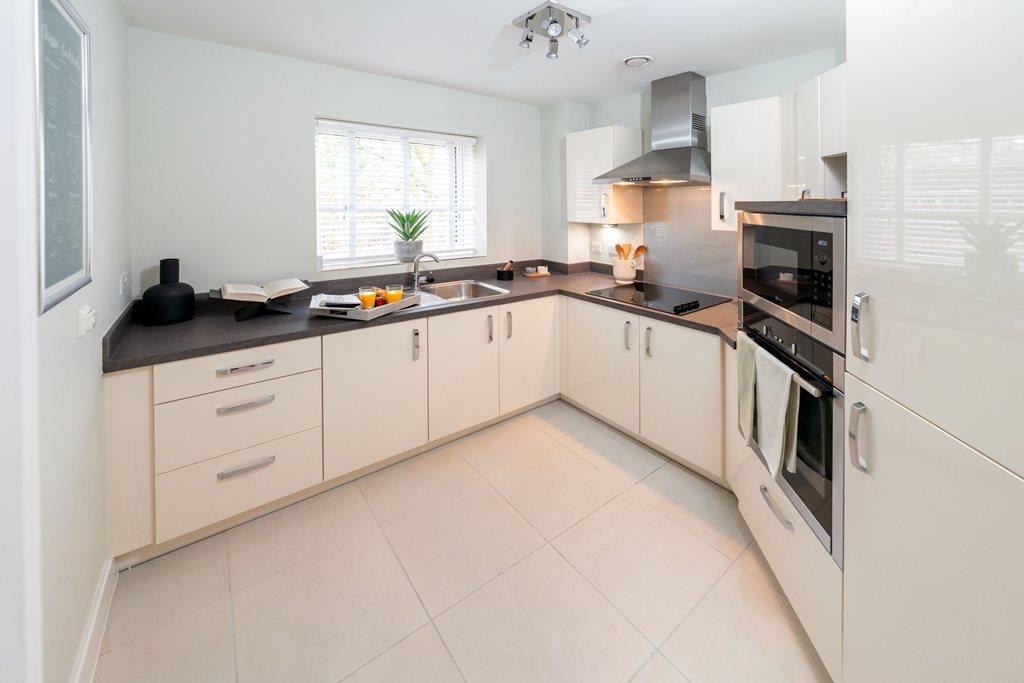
(375, 395)
(528, 350)
(681, 393)
(463, 367)
(933, 553)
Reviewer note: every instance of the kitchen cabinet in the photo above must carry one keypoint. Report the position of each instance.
(463, 370)
(814, 122)
(933, 551)
(375, 395)
(588, 154)
(734, 445)
(528, 351)
(832, 112)
(681, 393)
(746, 153)
(604, 362)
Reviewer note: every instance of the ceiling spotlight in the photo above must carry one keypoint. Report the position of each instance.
(527, 40)
(551, 25)
(577, 37)
(638, 60)
(552, 49)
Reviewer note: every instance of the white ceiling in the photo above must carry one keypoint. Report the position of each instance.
(471, 44)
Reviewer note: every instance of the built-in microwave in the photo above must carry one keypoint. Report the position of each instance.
(793, 268)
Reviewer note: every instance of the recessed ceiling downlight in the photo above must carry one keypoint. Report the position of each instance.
(636, 61)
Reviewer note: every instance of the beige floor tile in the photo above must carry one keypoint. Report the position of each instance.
(650, 568)
(558, 418)
(421, 657)
(553, 487)
(157, 592)
(196, 647)
(268, 544)
(502, 443)
(658, 670)
(743, 631)
(458, 541)
(754, 561)
(620, 457)
(706, 509)
(541, 621)
(401, 487)
(326, 616)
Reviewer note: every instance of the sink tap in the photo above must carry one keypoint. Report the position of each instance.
(416, 268)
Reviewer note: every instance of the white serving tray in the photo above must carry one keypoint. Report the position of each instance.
(316, 307)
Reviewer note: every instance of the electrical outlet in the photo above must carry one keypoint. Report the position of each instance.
(86, 320)
(611, 251)
(595, 247)
(122, 287)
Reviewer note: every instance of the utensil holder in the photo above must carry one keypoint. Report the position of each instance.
(505, 274)
(623, 271)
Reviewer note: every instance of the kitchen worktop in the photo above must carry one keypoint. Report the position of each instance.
(214, 329)
(797, 207)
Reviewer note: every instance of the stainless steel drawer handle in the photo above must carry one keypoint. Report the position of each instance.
(244, 469)
(858, 461)
(627, 335)
(856, 313)
(604, 205)
(490, 329)
(256, 403)
(225, 372)
(721, 206)
(648, 343)
(508, 319)
(775, 511)
(415, 345)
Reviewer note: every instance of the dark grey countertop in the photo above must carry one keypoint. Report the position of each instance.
(798, 207)
(214, 330)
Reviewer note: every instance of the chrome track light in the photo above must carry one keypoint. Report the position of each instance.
(552, 49)
(551, 20)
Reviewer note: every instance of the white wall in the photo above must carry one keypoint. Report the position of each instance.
(769, 78)
(223, 169)
(557, 120)
(71, 463)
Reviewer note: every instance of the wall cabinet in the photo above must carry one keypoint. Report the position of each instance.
(832, 112)
(528, 351)
(588, 154)
(604, 362)
(375, 395)
(933, 552)
(464, 370)
(814, 136)
(681, 393)
(746, 157)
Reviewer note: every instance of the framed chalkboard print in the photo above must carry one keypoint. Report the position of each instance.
(62, 73)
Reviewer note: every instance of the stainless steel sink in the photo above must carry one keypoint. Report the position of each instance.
(462, 290)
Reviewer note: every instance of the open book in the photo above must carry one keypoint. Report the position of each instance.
(272, 290)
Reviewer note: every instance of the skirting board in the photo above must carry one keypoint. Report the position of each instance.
(95, 625)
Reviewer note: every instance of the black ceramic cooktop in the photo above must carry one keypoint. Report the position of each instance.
(660, 297)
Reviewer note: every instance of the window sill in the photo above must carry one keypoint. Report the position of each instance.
(326, 265)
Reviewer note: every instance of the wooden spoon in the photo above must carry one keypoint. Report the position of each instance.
(640, 251)
(626, 249)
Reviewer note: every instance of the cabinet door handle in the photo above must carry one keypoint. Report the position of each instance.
(775, 510)
(490, 329)
(853, 432)
(856, 312)
(225, 372)
(626, 329)
(604, 205)
(721, 206)
(508, 319)
(415, 345)
(256, 403)
(244, 469)
(648, 343)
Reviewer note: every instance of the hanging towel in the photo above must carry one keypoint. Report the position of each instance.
(777, 402)
(745, 376)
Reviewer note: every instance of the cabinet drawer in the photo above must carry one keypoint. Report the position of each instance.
(806, 571)
(192, 497)
(199, 428)
(195, 376)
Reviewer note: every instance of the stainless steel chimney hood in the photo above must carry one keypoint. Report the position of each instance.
(679, 137)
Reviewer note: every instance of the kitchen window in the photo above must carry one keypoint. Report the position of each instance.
(361, 171)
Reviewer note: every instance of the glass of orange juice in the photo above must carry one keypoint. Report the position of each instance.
(367, 296)
(393, 293)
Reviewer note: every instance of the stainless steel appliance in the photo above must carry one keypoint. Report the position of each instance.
(661, 297)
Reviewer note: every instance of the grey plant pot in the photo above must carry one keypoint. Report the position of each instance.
(406, 252)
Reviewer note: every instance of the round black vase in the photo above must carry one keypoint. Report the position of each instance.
(170, 301)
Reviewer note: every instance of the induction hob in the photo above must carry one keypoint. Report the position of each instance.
(660, 297)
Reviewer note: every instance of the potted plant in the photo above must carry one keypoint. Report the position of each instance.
(409, 226)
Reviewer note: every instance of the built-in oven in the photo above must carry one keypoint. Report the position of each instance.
(793, 267)
(815, 486)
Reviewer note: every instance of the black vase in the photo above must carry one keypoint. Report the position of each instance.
(170, 301)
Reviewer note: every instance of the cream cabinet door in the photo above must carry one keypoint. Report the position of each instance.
(604, 362)
(681, 393)
(463, 370)
(832, 111)
(588, 154)
(933, 553)
(375, 395)
(528, 350)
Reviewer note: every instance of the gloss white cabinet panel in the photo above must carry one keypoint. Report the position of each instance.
(604, 362)
(529, 352)
(681, 393)
(463, 370)
(933, 553)
(809, 170)
(375, 395)
(588, 154)
(733, 443)
(832, 111)
(937, 191)
(128, 454)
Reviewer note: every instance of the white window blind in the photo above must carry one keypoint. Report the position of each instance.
(361, 171)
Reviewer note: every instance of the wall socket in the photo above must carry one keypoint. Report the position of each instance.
(595, 247)
(122, 287)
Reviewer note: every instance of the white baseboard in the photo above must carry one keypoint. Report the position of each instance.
(95, 625)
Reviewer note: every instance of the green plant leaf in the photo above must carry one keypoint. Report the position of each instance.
(408, 225)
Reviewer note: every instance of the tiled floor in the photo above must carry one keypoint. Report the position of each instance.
(546, 548)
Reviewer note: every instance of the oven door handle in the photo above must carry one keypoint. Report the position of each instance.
(788, 525)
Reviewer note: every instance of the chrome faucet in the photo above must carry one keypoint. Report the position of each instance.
(416, 268)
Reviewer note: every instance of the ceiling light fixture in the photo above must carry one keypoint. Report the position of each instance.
(550, 19)
(551, 25)
(577, 37)
(636, 61)
(552, 49)
(527, 40)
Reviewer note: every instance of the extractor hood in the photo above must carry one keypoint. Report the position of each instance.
(679, 137)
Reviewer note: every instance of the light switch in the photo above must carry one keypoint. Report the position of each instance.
(86, 320)
(595, 247)
(122, 286)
